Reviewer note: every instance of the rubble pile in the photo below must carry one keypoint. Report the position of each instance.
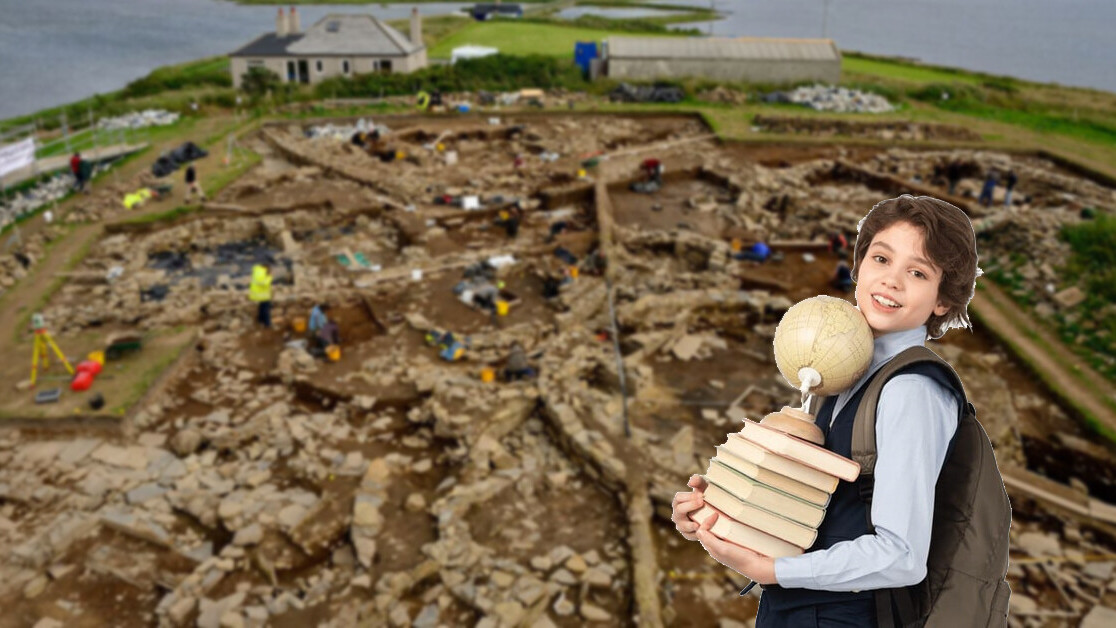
(15, 264)
(344, 132)
(833, 98)
(400, 485)
(42, 194)
(139, 120)
(723, 95)
(886, 130)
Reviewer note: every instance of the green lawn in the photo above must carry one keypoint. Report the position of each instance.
(521, 38)
(903, 71)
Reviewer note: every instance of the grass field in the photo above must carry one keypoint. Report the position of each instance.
(881, 68)
(521, 38)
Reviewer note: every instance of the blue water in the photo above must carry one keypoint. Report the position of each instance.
(613, 13)
(58, 51)
(1071, 42)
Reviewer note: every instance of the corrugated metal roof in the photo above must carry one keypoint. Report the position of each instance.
(722, 48)
(268, 45)
(352, 35)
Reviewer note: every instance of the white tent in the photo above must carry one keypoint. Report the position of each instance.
(471, 52)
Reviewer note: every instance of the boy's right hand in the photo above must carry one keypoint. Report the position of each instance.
(686, 503)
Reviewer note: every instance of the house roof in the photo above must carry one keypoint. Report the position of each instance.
(723, 48)
(334, 34)
(352, 35)
(267, 45)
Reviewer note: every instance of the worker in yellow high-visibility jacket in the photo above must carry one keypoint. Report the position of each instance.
(260, 292)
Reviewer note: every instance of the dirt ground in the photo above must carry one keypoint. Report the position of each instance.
(269, 487)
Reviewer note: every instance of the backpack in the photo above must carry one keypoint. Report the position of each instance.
(965, 583)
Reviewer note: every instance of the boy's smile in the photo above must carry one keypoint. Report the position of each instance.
(897, 284)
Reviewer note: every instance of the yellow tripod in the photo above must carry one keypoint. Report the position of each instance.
(42, 341)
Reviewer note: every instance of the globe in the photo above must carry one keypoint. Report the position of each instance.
(824, 342)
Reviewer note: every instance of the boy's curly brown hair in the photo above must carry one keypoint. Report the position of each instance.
(950, 245)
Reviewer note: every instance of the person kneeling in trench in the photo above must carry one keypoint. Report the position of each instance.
(324, 331)
(518, 367)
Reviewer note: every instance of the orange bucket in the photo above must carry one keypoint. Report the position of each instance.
(502, 308)
(574, 271)
(333, 352)
(488, 375)
(737, 245)
(298, 324)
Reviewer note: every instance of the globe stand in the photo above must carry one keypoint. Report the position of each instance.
(796, 421)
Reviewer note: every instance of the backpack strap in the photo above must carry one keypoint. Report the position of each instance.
(864, 424)
(892, 604)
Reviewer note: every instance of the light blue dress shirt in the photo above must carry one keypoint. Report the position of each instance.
(915, 420)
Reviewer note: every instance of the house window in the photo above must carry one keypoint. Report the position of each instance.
(292, 74)
(255, 63)
(318, 64)
(345, 66)
(385, 66)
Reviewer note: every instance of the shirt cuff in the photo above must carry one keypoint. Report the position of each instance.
(794, 572)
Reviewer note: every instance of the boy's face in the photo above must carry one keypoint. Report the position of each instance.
(897, 284)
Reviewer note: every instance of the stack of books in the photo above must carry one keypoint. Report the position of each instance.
(771, 490)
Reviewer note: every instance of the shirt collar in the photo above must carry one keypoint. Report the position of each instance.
(884, 348)
(890, 345)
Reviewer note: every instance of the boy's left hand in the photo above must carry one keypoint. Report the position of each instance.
(742, 560)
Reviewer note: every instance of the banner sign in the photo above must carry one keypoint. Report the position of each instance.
(17, 155)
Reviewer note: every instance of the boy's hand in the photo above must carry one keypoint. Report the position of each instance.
(686, 503)
(742, 560)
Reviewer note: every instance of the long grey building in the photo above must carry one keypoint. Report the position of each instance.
(336, 45)
(745, 59)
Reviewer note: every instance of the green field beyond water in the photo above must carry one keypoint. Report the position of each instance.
(524, 38)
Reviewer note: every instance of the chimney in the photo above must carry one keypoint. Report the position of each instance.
(416, 27)
(280, 24)
(292, 22)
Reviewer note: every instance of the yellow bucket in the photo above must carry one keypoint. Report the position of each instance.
(488, 375)
(574, 271)
(298, 324)
(400, 155)
(502, 308)
(333, 352)
(737, 245)
(97, 356)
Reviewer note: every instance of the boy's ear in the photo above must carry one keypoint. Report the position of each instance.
(941, 309)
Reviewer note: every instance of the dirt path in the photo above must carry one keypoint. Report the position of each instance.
(30, 291)
(1070, 377)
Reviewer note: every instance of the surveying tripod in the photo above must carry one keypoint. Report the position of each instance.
(42, 341)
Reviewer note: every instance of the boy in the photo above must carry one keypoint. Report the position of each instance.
(915, 266)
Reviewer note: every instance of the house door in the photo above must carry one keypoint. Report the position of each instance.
(303, 71)
(291, 76)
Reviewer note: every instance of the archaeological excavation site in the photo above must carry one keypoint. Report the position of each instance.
(544, 324)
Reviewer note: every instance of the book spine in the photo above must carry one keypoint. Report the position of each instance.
(773, 499)
(746, 536)
(767, 459)
(770, 522)
(774, 479)
(804, 453)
